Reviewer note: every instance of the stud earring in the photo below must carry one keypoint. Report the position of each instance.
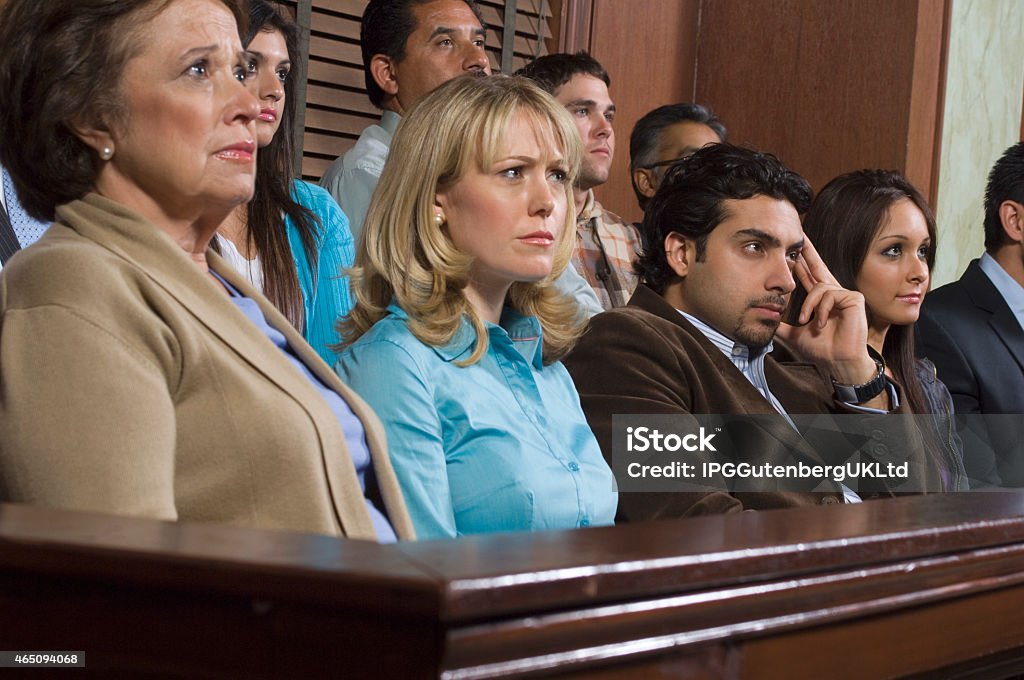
(439, 219)
(106, 153)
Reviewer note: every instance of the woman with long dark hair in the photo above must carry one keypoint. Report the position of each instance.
(876, 234)
(292, 241)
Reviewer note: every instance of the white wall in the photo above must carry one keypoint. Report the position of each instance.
(982, 117)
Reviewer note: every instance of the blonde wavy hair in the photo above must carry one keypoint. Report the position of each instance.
(405, 255)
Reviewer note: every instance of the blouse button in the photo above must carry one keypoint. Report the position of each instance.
(584, 522)
(574, 466)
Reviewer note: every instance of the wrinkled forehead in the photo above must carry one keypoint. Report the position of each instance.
(498, 135)
(456, 15)
(179, 25)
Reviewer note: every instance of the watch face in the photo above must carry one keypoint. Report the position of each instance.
(846, 393)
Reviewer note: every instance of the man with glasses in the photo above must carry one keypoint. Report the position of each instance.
(665, 135)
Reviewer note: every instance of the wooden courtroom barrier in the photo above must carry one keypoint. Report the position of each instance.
(928, 585)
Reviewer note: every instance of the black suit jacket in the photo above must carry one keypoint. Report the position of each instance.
(968, 331)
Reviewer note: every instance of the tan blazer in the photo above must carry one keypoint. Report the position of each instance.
(130, 384)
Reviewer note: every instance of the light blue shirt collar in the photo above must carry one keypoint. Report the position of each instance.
(389, 120)
(1007, 286)
(523, 332)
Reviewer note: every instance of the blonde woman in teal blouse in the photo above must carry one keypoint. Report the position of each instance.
(457, 332)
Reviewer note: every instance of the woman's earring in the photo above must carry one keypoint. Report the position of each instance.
(106, 153)
(439, 219)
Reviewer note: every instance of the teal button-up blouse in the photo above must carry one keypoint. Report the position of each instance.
(326, 295)
(501, 445)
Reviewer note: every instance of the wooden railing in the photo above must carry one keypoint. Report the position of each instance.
(930, 585)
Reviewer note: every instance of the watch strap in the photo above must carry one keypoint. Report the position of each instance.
(858, 394)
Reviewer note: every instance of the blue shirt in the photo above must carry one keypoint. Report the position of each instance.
(352, 178)
(1007, 286)
(26, 229)
(325, 292)
(501, 445)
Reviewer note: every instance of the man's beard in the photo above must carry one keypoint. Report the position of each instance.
(758, 335)
(592, 177)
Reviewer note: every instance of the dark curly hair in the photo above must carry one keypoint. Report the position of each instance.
(690, 199)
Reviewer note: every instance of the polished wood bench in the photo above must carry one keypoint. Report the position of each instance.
(930, 585)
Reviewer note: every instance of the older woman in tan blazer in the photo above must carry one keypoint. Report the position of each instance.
(138, 374)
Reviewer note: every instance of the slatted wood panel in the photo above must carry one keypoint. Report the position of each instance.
(336, 107)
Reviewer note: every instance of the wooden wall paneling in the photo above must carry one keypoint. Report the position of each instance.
(827, 85)
(301, 14)
(574, 25)
(493, 19)
(552, 42)
(508, 38)
(649, 51)
(535, 30)
(927, 97)
(336, 107)
(531, 36)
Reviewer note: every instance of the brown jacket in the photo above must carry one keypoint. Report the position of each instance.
(132, 385)
(646, 358)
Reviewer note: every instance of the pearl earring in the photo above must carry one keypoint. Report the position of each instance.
(439, 219)
(106, 153)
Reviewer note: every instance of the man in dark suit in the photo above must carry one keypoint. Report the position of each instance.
(724, 250)
(972, 330)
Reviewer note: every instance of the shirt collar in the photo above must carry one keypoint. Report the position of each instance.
(389, 120)
(522, 332)
(1007, 286)
(590, 207)
(730, 348)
